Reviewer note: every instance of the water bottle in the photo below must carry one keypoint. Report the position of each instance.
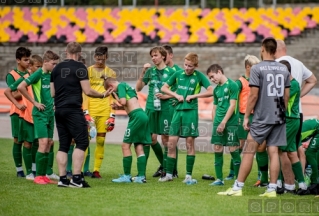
(93, 131)
(157, 101)
(308, 173)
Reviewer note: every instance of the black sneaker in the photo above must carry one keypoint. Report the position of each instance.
(263, 185)
(159, 171)
(175, 174)
(302, 192)
(20, 174)
(208, 177)
(87, 173)
(80, 184)
(314, 189)
(280, 190)
(64, 183)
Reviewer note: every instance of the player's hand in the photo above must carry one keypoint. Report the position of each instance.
(88, 118)
(146, 66)
(110, 123)
(180, 98)
(305, 145)
(39, 106)
(220, 127)
(108, 92)
(189, 98)
(246, 124)
(162, 96)
(21, 107)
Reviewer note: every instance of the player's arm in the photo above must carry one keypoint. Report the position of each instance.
(86, 88)
(286, 97)
(309, 84)
(23, 89)
(52, 89)
(10, 80)
(207, 93)
(9, 94)
(214, 112)
(252, 99)
(166, 89)
(230, 111)
(143, 80)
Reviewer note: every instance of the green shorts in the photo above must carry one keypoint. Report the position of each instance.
(229, 137)
(242, 133)
(292, 127)
(159, 121)
(138, 130)
(15, 123)
(43, 126)
(171, 111)
(26, 131)
(184, 123)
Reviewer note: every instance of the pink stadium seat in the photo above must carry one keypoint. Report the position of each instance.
(230, 38)
(137, 36)
(295, 32)
(296, 10)
(32, 37)
(250, 38)
(8, 17)
(43, 38)
(108, 38)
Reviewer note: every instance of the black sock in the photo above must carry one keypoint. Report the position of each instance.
(77, 178)
(63, 178)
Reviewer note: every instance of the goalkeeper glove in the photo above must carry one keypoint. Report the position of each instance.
(110, 123)
(89, 120)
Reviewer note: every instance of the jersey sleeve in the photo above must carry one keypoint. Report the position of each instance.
(147, 76)
(306, 73)
(240, 86)
(215, 97)
(233, 91)
(113, 74)
(121, 90)
(14, 86)
(204, 81)
(294, 87)
(34, 78)
(9, 79)
(254, 80)
(172, 80)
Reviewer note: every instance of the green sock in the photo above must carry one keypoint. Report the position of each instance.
(262, 160)
(70, 153)
(87, 161)
(158, 152)
(236, 161)
(127, 164)
(219, 160)
(170, 163)
(49, 167)
(175, 168)
(297, 169)
(40, 163)
(165, 158)
(46, 162)
(312, 161)
(231, 166)
(17, 154)
(190, 160)
(27, 157)
(35, 146)
(141, 165)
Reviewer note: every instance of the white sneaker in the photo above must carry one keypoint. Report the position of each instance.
(187, 179)
(30, 177)
(53, 176)
(165, 179)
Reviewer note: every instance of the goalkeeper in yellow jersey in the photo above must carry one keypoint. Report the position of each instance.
(100, 109)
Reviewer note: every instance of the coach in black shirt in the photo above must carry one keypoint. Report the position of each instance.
(68, 80)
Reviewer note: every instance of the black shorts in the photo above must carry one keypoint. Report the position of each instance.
(70, 124)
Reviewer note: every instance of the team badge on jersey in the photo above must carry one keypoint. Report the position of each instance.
(192, 81)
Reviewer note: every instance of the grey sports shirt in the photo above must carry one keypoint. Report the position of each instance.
(271, 78)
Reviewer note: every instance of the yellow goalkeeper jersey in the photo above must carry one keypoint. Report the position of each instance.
(98, 106)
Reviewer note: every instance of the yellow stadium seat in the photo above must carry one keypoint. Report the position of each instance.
(212, 38)
(175, 39)
(193, 39)
(240, 38)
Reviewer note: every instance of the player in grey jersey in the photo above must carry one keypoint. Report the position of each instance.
(269, 94)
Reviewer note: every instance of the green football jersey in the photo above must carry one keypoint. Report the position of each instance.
(294, 98)
(154, 77)
(310, 127)
(40, 82)
(188, 85)
(14, 86)
(222, 96)
(173, 88)
(125, 91)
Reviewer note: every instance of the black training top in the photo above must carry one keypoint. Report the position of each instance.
(66, 77)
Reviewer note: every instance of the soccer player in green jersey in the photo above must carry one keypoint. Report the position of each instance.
(23, 60)
(43, 115)
(310, 131)
(185, 119)
(169, 62)
(288, 154)
(157, 103)
(225, 117)
(137, 131)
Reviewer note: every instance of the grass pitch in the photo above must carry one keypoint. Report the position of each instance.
(22, 197)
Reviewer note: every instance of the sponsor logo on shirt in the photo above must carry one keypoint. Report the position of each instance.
(45, 86)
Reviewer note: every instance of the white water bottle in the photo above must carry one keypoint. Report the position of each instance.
(157, 101)
(93, 131)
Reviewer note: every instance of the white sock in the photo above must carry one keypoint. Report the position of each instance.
(34, 168)
(290, 187)
(19, 169)
(169, 175)
(271, 187)
(302, 185)
(188, 176)
(279, 183)
(238, 185)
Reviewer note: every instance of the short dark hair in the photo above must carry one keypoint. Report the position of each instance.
(214, 68)
(159, 49)
(49, 55)
(270, 45)
(81, 59)
(168, 48)
(73, 48)
(22, 52)
(101, 50)
(287, 64)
